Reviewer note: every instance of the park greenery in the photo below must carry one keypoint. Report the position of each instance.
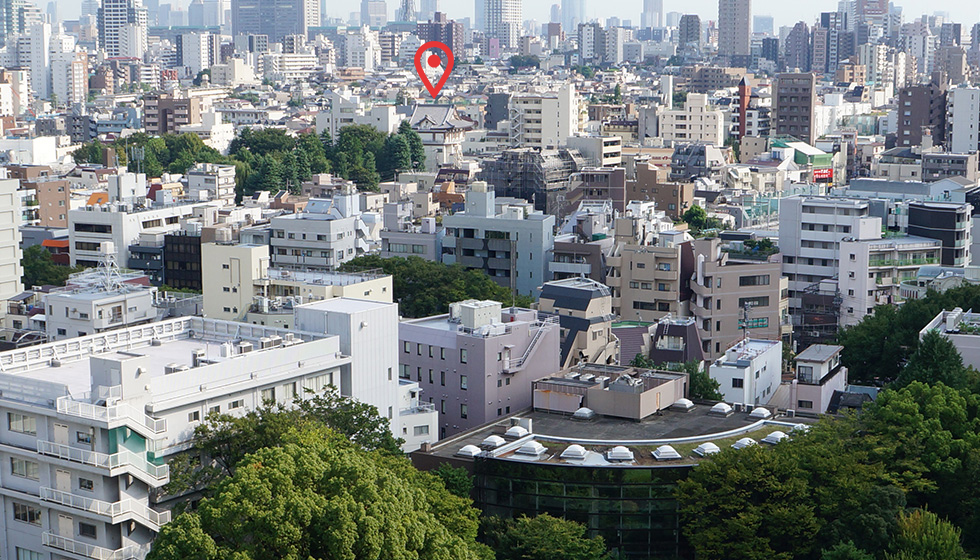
(271, 159)
(424, 288)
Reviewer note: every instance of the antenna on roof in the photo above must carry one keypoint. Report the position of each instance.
(108, 270)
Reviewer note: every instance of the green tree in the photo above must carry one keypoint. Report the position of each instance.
(456, 479)
(845, 551)
(617, 94)
(41, 270)
(701, 385)
(936, 360)
(696, 217)
(544, 537)
(415, 145)
(314, 495)
(924, 536)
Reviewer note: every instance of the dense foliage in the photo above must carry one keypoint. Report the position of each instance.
(271, 159)
(876, 348)
(425, 288)
(541, 538)
(700, 384)
(40, 268)
(697, 218)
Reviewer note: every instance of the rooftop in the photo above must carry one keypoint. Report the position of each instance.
(323, 277)
(819, 353)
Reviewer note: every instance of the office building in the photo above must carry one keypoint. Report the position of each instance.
(697, 122)
(573, 13)
(512, 245)
(374, 13)
(793, 106)
(749, 372)
(735, 31)
(274, 18)
(503, 21)
(949, 222)
(440, 28)
(737, 293)
(652, 15)
(476, 364)
(123, 28)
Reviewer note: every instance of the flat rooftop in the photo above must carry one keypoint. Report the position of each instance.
(819, 353)
(682, 430)
(323, 277)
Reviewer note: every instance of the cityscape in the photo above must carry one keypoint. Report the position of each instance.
(489, 280)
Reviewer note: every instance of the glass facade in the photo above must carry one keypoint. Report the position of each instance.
(632, 508)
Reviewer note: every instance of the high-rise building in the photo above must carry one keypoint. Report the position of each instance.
(572, 14)
(555, 13)
(274, 18)
(374, 13)
(480, 15)
(921, 107)
(503, 21)
(33, 53)
(735, 30)
(794, 99)
(762, 25)
(428, 9)
(442, 29)
(123, 28)
(797, 49)
(962, 110)
(653, 14)
(406, 11)
(689, 33)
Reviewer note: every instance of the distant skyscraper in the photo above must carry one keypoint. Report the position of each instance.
(503, 21)
(735, 30)
(374, 13)
(274, 18)
(555, 13)
(406, 11)
(762, 25)
(572, 14)
(480, 15)
(689, 33)
(90, 7)
(653, 14)
(53, 13)
(428, 9)
(123, 28)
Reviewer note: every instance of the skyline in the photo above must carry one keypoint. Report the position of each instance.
(783, 13)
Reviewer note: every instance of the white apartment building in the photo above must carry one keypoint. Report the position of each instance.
(749, 372)
(11, 269)
(362, 50)
(963, 120)
(212, 130)
(89, 424)
(544, 120)
(697, 122)
(872, 271)
(344, 109)
(328, 233)
(811, 229)
(95, 302)
(211, 181)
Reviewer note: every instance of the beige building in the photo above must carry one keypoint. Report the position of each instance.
(726, 281)
(584, 309)
(164, 113)
(652, 184)
(239, 285)
(697, 122)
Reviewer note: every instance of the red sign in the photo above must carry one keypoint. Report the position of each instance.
(824, 174)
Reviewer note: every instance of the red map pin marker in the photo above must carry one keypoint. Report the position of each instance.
(433, 62)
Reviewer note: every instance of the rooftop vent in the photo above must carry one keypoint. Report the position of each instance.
(584, 413)
(533, 448)
(468, 451)
(619, 453)
(492, 442)
(683, 405)
(706, 448)
(666, 453)
(760, 412)
(775, 437)
(743, 443)
(516, 432)
(721, 409)
(574, 451)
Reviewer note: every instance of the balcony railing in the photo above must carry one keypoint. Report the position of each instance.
(90, 550)
(901, 262)
(119, 412)
(127, 508)
(122, 459)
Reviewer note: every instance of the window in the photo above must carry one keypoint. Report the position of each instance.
(24, 554)
(408, 347)
(442, 406)
(84, 437)
(463, 411)
(442, 353)
(86, 484)
(24, 468)
(462, 355)
(269, 394)
(462, 382)
(761, 301)
(418, 349)
(236, 404)
(804, 404)
(442, 378)
(738, 383)
(194, 416)
(431, 380)
(27, 514)
(22, 423)
(87, 530)
(290, 390)
(320, 382)
(760, 280)
(430, 350)
(421, 431)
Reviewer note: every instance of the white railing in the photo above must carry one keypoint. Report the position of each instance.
(152, 518)
(110, 413)
(123, 458)
(91, 551)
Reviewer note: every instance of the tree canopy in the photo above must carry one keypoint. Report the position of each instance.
(40, 268)
(701, 385)
(424, 288)
(542, 537)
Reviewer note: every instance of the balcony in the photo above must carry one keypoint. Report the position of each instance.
(117, 512)
(901, 262)
(86, 550)
(420, 408)
(115, 415)
(122, 462)
(570, 268)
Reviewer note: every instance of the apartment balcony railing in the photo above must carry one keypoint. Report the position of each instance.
(420, 408)
(79, 548)
(122, 510)
(113, 415)
(116, 463)
(901, 262)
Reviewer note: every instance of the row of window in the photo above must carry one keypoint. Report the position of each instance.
(407, 346)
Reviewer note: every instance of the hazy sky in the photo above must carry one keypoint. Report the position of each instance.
(785, 12)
